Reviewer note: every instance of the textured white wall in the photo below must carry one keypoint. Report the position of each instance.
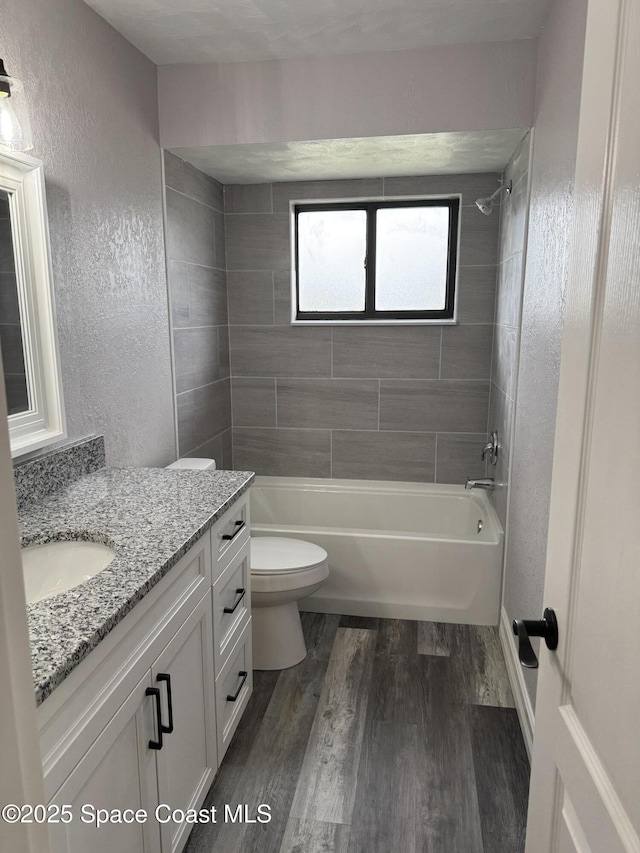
(94, 113)
(550, 219)
(431, 90)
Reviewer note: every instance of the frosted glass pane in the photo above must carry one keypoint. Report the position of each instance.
(331, 253)
(411, 258)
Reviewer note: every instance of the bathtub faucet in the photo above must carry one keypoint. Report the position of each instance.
(488, 484)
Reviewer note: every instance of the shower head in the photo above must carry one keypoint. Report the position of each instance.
(485, 205)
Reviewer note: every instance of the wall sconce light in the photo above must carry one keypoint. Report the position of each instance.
(15, 133)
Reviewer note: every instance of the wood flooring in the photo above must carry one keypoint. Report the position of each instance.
(390, 737)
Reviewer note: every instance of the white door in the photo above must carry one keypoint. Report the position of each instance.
(187, 761)
(585, 793)
(118, 772)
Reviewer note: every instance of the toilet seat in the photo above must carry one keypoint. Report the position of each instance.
(276, 555)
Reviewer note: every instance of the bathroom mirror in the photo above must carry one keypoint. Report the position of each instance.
(28, 337)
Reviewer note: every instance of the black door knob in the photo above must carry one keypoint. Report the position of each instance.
(547, 627)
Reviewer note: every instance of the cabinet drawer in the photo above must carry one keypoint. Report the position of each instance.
(234, 686)
(231, 605)
(229, 533)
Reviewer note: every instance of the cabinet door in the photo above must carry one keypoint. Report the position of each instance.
(117, 772)
(187, 761)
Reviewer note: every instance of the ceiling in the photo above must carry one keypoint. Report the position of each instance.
(332, 159)
(193, 31)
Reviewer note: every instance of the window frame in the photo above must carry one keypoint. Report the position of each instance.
(370, 314)
(43, 423)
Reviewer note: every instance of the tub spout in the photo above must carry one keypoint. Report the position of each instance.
(488, 484)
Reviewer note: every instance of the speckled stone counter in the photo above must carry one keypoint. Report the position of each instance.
(151, 515)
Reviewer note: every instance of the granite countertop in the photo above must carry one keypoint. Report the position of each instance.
(151, 515)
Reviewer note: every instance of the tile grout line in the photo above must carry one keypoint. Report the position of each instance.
(275, 393)
(193, 198)
(254, 212)
(331, 346)
(331, 454)
(435, 462)
(207, 384)
(273, 296)
(477, 433)
(192, 328)
(358, 378)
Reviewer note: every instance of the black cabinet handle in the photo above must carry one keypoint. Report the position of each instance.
(547, 627)
(154, 691)
(243, 677)
(163, 676)
(230, 536)
(240, 593)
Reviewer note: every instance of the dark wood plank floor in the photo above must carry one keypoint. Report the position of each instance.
(390, 737)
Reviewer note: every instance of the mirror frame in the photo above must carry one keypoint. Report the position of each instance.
(22, 177)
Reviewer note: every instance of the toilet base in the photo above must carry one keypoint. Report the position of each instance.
(278, 642)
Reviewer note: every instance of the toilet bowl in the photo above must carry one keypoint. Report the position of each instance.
(282, 572)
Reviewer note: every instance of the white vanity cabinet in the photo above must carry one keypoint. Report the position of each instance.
(144, 720)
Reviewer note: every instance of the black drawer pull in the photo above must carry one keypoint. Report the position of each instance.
(153, 691)
(229, 536)
(165, 677)
(240, 593)
(243, 675)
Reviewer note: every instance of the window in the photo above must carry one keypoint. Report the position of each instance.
(376, 260)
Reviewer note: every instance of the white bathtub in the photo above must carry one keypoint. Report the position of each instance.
(400, 550)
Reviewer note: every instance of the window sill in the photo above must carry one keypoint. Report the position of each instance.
(452, 322)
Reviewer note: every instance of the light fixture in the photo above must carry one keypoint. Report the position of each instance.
(15, 133)
(485, 205)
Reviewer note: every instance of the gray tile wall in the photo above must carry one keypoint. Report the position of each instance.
(196, 260)
(506, 341)
(389, 402)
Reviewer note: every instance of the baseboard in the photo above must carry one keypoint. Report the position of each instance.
(517, 682)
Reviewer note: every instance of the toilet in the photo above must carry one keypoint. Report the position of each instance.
(282, 572)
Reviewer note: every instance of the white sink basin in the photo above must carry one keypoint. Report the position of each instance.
(58, 566)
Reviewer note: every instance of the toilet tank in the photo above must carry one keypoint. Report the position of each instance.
(195, 464)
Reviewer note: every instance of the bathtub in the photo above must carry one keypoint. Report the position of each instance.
(398, 550)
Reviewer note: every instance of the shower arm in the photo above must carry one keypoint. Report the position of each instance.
(506, 187)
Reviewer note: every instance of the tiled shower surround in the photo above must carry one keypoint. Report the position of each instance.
(198, 301)
(386, 402)
(371, 402)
